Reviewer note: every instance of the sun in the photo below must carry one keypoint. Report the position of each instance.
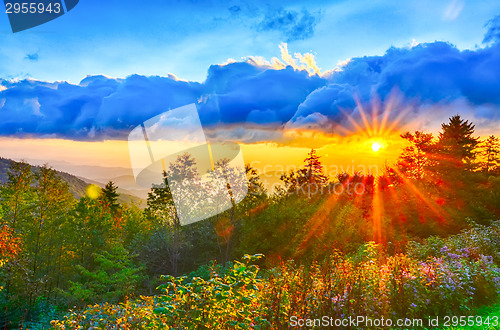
(376, 147)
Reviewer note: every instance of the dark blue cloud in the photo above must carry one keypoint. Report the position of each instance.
(244, 95)
(424, 75)
(493, 34)
(244, 90)
(32, 57)
(101, 107)
(292, 25)
(97, 108)
(234, 9)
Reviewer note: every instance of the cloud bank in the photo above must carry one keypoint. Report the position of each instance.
(254, 100)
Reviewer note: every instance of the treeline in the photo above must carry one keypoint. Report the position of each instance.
(438, 186)
(58, 252)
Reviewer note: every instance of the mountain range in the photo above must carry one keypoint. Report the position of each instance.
(77, 184)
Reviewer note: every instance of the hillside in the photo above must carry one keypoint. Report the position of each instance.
(76, 185)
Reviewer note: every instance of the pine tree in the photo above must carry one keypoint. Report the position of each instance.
(110, 196)
(457, 144)
(314, 169)
(309, 177)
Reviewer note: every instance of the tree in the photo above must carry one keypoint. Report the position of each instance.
(491, 153)
(10, 245)
(44, 238)
(114, 277)
(308, 178)
(457, 145)
(17, 194)
(417, 157)
(227, 179)
(162, 212)
(314, 169)
(257, 193)
(110, 196)
(292, 180)
(91, 229)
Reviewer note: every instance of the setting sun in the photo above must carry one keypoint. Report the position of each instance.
(376, 147)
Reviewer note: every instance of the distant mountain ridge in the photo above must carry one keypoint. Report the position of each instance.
(77, 185)
(100, 175)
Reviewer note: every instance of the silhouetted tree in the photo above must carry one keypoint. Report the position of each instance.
(308, 178)
(457, 145)
(491, 153)
(314, 169)
(417, 156)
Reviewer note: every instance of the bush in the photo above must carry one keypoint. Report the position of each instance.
(449, 276)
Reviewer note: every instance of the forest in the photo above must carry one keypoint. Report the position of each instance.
(420, 240)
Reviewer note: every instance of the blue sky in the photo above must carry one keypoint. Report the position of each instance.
(118, 38)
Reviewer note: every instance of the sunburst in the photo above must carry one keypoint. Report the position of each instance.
(380, 122)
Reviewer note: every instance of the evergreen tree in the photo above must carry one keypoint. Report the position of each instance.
(110, 196)
(314, 169)
(114, 277)
(308, 178)
(457, 144)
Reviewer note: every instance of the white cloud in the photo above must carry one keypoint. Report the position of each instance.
(34, 105)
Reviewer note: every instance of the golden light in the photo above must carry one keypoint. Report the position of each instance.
(376, 147)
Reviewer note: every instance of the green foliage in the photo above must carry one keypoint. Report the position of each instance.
(479, 240)
(229, 300)
(110, 196)
(113, 278)
(226, 301)
(368, 283)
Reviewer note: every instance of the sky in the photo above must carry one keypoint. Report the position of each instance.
(117, 38)
(269, 75)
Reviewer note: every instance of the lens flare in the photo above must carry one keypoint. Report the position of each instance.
(93, 191)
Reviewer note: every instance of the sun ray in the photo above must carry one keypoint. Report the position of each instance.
(408, 183)
(385, 116)
(402, 114)
(368, 128)
(318, 220)
(375, 111)
(377, 207)
(353, 122)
